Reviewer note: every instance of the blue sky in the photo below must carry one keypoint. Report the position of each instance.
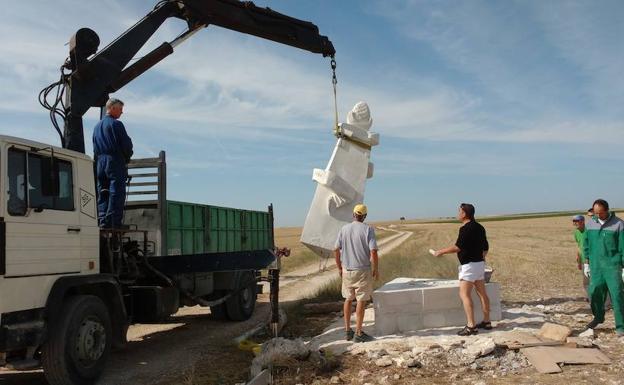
(514, 106)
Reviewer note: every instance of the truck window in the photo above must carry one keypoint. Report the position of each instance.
(22, 194)
(16, 200)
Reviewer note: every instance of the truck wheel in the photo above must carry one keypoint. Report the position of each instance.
(79, 344)
(241, 306)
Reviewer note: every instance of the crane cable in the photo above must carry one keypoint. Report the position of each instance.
(334, 82)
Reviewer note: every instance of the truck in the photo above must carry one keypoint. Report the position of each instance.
(69, 289)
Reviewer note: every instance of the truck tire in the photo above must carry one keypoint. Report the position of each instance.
(240, 306)
(79, 344)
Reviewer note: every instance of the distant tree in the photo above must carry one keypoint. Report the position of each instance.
(402, 218)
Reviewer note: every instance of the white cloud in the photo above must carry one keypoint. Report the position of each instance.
(224, 84)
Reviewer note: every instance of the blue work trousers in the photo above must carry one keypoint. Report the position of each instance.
(111, 175)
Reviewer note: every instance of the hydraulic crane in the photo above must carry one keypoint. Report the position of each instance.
(80, 287)
(89, 75)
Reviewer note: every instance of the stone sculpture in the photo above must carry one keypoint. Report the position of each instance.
(341, 184)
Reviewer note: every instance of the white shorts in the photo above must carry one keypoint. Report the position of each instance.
(472, 271)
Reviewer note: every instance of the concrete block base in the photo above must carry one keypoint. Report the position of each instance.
(408, 304)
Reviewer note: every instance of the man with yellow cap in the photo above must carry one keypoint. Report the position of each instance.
(357, 262)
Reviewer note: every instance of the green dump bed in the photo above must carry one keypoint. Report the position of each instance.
(198, 229)
(189, 237)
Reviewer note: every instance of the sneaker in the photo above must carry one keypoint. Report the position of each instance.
(468, 331)
(484, 325)
(363, 338)
(349, 334)
(593, 324)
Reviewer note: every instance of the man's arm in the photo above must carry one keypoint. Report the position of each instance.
(578, 260)
(447, 250)
(585, 245)
(621, 246)
(456, 248)
(486, 244)
(372, 246)
(125, 143)
(338, 263)
(374, 257)
(337, 248)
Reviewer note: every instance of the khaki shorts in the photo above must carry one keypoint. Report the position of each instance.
(357, 284)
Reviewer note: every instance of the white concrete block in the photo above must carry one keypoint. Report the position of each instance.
(401, 297)
(409, 321)
(448, 317)
(407, 304)
(386, 325)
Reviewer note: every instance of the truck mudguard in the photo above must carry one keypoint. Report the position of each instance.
(105, 286)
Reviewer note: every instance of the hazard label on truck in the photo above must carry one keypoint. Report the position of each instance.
(87, 204)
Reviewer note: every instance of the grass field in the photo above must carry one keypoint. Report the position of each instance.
(299, 254)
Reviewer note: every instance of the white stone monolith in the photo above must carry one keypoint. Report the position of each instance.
(341, 184)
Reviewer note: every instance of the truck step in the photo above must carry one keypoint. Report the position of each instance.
(27, 364)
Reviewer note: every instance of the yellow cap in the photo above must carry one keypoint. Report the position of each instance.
(360, 209)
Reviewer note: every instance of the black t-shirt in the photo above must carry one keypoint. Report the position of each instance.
(472, 242)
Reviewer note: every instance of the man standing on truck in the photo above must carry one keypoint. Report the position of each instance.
(112, 149)
(356, 252)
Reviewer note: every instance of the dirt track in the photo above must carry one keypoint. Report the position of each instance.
(166, 353)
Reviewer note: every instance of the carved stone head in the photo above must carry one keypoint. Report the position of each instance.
(360, 116)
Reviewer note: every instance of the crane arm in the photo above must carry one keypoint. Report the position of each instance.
(89, 75)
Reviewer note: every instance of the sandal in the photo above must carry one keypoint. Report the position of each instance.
(468, 331)
(484, 325)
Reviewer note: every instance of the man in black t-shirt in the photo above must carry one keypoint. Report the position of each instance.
(471, 248)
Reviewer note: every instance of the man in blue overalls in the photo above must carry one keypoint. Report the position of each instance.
(112, 149)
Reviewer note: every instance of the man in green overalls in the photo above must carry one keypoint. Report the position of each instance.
(603, 245)
(583, 264)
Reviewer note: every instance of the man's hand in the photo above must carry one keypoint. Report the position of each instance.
(375, 273)
(580, 266)
(340, 271)
(586, 271)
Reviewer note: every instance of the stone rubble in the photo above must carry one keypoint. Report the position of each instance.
(589, 333)
(279, 350)
(440, 353)
(383, 361)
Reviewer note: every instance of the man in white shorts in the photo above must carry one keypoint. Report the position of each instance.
(357, 262)
(471, 248)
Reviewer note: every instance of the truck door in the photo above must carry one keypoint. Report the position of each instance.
(42, 223)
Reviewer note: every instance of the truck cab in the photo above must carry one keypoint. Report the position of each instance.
(70, 289)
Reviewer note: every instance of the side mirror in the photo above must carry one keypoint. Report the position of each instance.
(50, 185)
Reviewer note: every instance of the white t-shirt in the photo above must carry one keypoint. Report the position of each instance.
(355, 242)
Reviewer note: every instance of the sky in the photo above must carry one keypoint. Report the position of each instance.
(513, 106)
